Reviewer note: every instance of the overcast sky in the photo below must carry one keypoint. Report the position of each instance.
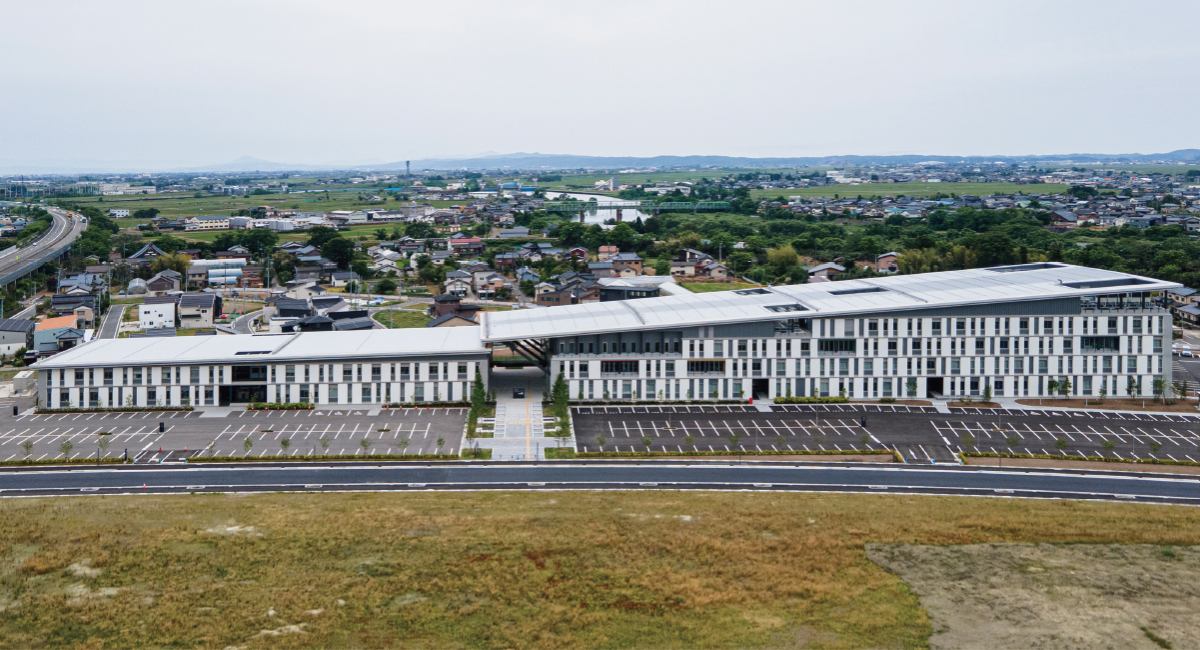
(193, 83)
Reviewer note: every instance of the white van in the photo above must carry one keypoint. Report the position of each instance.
(1185, 350)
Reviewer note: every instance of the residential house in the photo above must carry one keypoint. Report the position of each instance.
(343, 278)
(448, 304)
(458, 283)
(163, 282)
(153, 315)
(1189, 314)
(1183, 296)
(887, 263)
(467, 246)
(826, 270)
(526, 274)
(607, 252)
(16, 333)
(199, 309)
(451, 320)
(514, 233)
(144, 255)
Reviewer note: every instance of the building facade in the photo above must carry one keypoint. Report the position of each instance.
(1015, 329)
(325, 368)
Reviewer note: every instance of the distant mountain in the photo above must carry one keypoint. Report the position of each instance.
(536, 161)
(532, 162)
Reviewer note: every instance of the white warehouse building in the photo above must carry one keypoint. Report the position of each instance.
(1014, 328)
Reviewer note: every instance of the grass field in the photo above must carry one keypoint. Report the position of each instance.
(707, 287)
(524, 570)
(173, 206)
(910, 189)
(401, 318)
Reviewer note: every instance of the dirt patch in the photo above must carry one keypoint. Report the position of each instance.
(1052, 596)
(1148, 404)
(1085, 464)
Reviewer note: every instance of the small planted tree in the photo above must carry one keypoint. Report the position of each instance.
(1108, 445)
(365, 443)
(66, 448)
(735, 439)
(1131, 386)
(987, 391)
(1012, 441)
(402, 444)
(688, 440)
(779, 440)
(911, 385)
(1064, 387)
(247, 444)
(102, 443)
(27, 447)
(646, 442)
(324, 442)
(440, 441)
(1155, 446)
(968, 441)
(1103, 392)
(1052, 386)
(600, 442)
(284, 443)
(1159, 388)
(1060, 444)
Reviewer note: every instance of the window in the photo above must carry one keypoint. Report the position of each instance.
(404, 372)
(621, 367)
(347, 372)
(1023, 326)
(718, 348)
(289, 374)
(137, 376)
(872, 328)
(108, 376)
(249, 373)
(333, 393)
(462, 370)
(376, 372)
(837, 346)
(960, 327)
(705, 366)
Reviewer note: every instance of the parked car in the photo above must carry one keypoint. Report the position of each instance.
(1185, 350)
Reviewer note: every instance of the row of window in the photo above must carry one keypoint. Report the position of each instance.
(1000, 326)
(344, 372)
(868, 366)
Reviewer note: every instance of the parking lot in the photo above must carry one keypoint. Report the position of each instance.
(340, 432)
(919, 433)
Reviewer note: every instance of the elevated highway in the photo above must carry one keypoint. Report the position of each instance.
(18, 263)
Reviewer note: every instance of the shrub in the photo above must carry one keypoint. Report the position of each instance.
(832, 399)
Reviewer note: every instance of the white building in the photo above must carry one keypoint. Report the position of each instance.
(355, 367)
(1013, 328)
(118, 214)
(156, 316)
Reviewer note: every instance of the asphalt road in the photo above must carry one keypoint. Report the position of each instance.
(963, 481)
(242, 324)
(920, 434)
(187, 433)
(111, 325)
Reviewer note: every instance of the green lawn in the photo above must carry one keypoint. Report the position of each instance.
(909, 189)
(708, 287)
(401, 319)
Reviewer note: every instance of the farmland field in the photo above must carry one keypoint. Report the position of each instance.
(909, 189)
(582, 570)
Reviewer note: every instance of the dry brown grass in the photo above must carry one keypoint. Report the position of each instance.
(528, 570)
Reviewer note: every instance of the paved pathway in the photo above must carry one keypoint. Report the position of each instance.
(520, 423)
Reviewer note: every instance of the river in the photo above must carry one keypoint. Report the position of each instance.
(600, 214)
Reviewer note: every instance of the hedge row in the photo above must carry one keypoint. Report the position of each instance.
(740, 452)
(64, 461)
(612, 402)
(120, 409)
(1094, 459)
(280, 406)
(832, 399)
(409, 405)
(310, 458)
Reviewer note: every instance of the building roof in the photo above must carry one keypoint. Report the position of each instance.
(268, 348)
(54, 323)
(1018, 283)
(16, 325)
(448, 317)
(1183, 291)
(197, 300)
(349, 324)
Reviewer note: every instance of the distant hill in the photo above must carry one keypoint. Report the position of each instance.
(534, 161)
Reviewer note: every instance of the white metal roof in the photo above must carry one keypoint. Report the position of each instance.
(818, 300)
(270, 348)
